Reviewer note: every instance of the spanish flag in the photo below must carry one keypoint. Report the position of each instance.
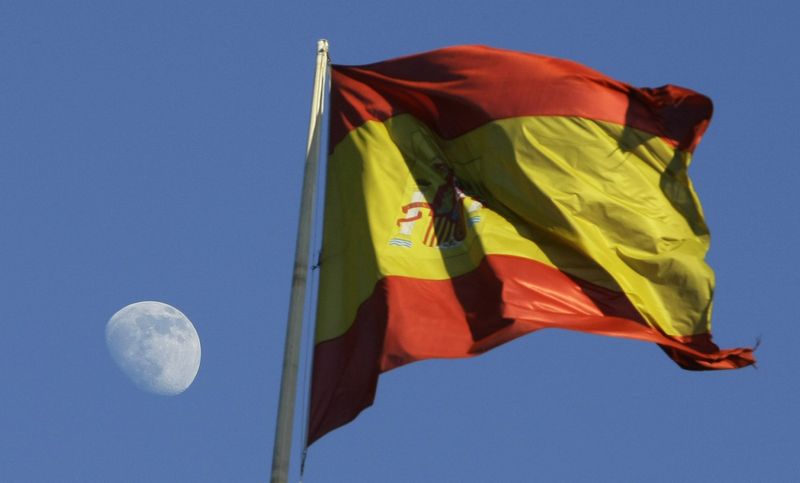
(475, 195)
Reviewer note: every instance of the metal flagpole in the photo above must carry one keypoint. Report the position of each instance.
(283, 431)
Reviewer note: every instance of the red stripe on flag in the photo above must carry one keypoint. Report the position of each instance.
(457, 89)
(409, 319)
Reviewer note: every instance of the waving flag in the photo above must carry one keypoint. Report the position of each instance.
(475, 195)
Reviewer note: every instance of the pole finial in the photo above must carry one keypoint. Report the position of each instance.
(322, 45)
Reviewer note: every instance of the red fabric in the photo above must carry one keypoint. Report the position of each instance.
(408, 319)
(457, 89)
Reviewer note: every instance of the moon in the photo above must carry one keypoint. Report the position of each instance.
(155, 345)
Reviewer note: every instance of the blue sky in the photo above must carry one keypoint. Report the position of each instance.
(153, 151)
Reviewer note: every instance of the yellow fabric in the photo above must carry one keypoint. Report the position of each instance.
(599, 201)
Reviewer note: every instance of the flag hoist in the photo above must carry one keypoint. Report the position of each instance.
(474, 195)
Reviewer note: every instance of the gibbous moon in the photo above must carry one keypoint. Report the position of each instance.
(156, 346)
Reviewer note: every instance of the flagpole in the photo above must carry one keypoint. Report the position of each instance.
(282, 450)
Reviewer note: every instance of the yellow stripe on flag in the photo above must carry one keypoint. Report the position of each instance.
(590, 198)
